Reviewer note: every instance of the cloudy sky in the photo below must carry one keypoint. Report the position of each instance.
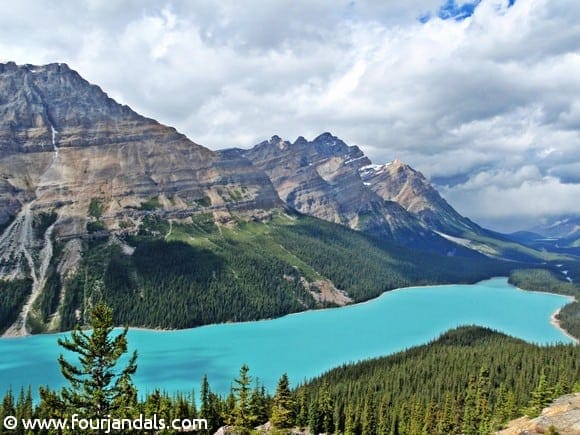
(482, 96)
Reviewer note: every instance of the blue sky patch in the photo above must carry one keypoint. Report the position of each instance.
(423, 18)
(451, 10)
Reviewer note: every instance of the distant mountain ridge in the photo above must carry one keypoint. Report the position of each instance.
(331, 180)
(560, 227)
(558, 234)
(322, 178)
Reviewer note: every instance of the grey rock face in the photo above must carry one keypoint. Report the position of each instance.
(64, 142)
(330, 180)
(398, 182)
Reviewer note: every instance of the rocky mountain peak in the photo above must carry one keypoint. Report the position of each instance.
(326, 178)
(399, 182)
(300, 140)
(40, 99)
(64, 144)
(325, 137)
(329, 144)
(399, 165)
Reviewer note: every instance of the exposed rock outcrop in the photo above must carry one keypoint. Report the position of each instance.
(563, 415)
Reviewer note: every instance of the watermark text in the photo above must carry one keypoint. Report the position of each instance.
(107, 424)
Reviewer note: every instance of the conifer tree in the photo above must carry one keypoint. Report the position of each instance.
(210, 407)
(184, 407)
(97, 387)
(8, 405)
(470, 417)
(301, 408)
(416, 418)
(243, 419)
(24, 406)
(338, 418)
(283, 405)
(482, 401)
(229, 408)
(314, 418)
(396, 427)
(215, 419)
(204, 397)
(430, 419)
(349, 423)
(259, 405)
(541, 396)
(158, 403)
(383, 426)
(369, 421)
(446, 421)
(325, 408)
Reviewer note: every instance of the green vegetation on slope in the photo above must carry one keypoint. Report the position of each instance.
(96, 208)
(469, 381)
(41, 222)
(151, 204)
(13, 296)
(365, 266)
(499, 245)
(185, 274)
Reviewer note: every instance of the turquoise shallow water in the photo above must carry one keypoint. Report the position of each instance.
(305, 344)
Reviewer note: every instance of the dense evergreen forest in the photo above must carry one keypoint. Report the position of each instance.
(14, 295)
(469, 381)
(196, 272)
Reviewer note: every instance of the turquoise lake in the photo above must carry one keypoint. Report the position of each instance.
(305, 344)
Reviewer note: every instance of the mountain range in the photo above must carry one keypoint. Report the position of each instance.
(96, 196)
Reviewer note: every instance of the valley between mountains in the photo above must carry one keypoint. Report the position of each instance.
(100, 203)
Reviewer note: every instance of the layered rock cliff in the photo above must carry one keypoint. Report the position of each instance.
(64, 142)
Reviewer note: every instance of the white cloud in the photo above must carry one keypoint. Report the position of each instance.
(486, 98)
(531, 198)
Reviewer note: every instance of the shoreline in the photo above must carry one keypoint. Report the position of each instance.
(297, 313)
(556, 323)
(553, 318)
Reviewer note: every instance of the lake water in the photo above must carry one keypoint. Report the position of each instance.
(305, 344)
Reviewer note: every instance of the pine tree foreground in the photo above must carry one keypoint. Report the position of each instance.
(98, 388)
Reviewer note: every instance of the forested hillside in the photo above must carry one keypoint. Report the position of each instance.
(194, 272)
(469, 381)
